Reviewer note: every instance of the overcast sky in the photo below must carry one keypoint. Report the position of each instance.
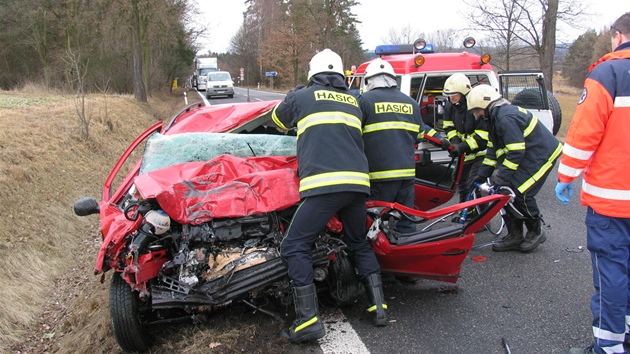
(378, 17)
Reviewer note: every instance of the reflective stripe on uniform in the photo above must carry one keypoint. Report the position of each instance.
(469, 157)
(328, 118)
(531, 126)
(391, 125)
(509, 164)
(569, 171)
(471, 142)
(515, 146)
(622, 101)
(276, 120)
(393, 174)
(606, 193)
(482, 133)
(334, 178)
(489, 162)
(608, 335)
(576, 153)
(431, 132)
(541, 171)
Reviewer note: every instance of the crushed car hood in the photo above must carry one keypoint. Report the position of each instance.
(223, 187)
(197, 171)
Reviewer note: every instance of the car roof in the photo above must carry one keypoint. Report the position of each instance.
(221, 118)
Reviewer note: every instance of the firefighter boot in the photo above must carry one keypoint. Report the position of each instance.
(376, 299)
(535, 235)
(514, 238)
(307, 325)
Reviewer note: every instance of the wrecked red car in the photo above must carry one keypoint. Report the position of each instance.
(196, 223)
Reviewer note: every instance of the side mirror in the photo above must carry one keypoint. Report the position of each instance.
(86, 206)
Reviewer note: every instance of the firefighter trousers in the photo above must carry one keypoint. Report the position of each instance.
(608, 240)
(399, 191)
(526, 202)
(310, 219)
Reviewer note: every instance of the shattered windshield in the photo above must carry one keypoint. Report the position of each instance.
(167, 150)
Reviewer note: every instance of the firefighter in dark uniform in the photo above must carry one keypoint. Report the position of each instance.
(391, 125)
(522, 153)
(334, 179)
(467, 136)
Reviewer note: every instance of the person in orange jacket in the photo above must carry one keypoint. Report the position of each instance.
(597, 145)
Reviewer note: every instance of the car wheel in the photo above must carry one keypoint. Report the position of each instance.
(556, 111)
(231, 96)
(343, 285)
(531, 98)
(124, 308)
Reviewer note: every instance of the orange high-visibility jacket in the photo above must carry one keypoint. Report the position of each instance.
(598, 142)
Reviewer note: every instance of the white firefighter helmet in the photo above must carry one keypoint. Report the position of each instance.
(457, 83)
(325, 61)
(379, 66)
(159, 221)
(481, 96)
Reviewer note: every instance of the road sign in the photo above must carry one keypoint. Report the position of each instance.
(271, 73)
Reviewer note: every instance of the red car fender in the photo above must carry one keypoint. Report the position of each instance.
(115, 228)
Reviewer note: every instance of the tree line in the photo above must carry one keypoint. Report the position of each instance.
(140, 46)
(121, 46)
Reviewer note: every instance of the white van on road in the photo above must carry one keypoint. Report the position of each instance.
(219, 83)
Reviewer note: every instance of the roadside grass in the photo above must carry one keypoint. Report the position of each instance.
(44, 167)
(568, 98)
(52, 302)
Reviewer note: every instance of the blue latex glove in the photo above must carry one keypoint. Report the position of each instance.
(564, 192)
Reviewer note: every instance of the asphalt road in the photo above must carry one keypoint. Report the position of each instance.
(537, 302)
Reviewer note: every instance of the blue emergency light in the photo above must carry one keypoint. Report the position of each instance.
(388, 49)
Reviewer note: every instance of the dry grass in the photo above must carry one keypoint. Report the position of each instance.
(568, 98)
(44, 168)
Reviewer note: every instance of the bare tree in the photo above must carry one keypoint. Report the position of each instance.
(499, 20)
(548, 45)
(404, 34)
(289, 46)
(525, 23)
(77, 69)
(446, 40)
(299, 29)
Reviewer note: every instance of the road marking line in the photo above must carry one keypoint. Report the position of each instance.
(340, 337)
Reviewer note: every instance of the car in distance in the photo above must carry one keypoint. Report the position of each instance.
(219, 83)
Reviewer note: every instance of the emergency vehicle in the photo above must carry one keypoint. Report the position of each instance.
(421, 73)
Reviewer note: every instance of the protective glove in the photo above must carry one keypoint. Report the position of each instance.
(454, 151)
(564, 192)
(480, 180)
(498, 180)
(445, 144)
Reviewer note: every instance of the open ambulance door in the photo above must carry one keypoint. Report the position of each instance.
(527, 89)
